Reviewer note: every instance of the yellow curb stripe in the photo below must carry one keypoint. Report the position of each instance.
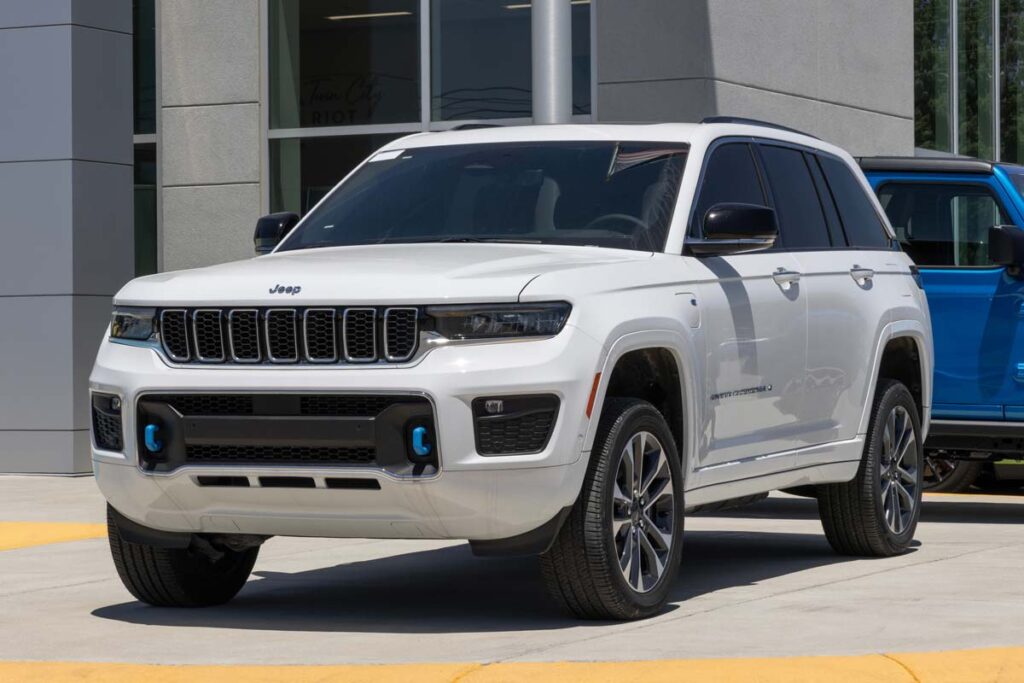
(995, 665)
(27, 534)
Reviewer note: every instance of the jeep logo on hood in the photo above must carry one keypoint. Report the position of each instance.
(281, 289)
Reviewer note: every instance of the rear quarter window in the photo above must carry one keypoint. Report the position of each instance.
(860, 221)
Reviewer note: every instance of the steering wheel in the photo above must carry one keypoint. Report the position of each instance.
(616, 216)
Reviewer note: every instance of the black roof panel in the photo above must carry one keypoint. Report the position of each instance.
(926, 164)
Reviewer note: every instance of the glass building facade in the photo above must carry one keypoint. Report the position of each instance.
(969, 77)
(347, 76)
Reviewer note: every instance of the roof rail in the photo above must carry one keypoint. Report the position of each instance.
(754, 122)
(475, 125)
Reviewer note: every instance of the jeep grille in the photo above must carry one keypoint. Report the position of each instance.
(289, 335)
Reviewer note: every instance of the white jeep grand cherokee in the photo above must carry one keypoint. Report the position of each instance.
(548, 340)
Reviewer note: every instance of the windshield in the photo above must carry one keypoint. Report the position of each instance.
(608, 194)
(1016, 176)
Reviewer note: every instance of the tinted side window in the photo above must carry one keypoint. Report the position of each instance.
(731, 176)
(861, 224)
(942, 224)
(801, 220)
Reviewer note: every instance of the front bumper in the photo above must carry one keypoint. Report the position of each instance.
(471, 496)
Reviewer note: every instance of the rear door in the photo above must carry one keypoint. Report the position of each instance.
(977, 308)
(841, 248)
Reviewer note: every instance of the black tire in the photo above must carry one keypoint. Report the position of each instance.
(581, 569)
(178, 577)
(853, 514)
(946, 475)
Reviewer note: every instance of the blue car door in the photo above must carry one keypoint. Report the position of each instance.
(977, 308)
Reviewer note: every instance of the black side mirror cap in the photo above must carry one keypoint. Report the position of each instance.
(271, 229)
(1006, 245)
(735, 229)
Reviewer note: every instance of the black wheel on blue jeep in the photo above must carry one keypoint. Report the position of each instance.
(618, 553)
(877, 512)
(944, 474)
(196, 576)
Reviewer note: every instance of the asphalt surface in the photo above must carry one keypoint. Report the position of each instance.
(757, 582)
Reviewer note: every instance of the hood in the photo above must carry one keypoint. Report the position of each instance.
(370, 275)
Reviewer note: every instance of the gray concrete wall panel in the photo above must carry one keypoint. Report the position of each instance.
(207, 225)
(210, 145)
(209, 50)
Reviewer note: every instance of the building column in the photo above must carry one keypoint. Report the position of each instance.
(210, 130)
(551, 30)
(66, 197)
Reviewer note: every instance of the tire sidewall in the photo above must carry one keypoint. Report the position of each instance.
(639, 417)
(895, 394)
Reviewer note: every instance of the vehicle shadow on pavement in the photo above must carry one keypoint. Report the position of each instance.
(964, 509)
(448, 590)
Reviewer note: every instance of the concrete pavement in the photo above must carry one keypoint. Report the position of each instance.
(757, 582)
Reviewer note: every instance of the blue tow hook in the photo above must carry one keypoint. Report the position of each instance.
(153, 444)
(419, 448)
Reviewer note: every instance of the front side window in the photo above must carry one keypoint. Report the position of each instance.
(801, 219)
(619, 195)
(942, 224)
(731, 177)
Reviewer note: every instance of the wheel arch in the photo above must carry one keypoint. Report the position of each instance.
(656, 367)
(904, 353)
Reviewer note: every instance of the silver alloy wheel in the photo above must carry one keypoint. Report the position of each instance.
(643, 512)
(900, 462)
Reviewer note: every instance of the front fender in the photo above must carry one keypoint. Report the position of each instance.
(686, 357)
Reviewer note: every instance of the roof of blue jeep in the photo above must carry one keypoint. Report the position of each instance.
(925, 164)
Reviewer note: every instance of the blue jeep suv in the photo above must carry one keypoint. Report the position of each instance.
(959, 219)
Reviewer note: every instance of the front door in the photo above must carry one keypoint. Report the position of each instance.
(977, 308)
(755, 326)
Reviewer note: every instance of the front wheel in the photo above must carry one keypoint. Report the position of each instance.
(618, 552)
(877, 512)
(178, 577)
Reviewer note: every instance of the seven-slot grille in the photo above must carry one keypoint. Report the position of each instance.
(289, 335)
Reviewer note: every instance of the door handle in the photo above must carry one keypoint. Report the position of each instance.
(785, 278)
(861, 275)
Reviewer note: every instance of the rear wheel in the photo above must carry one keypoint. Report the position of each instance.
(179, 577)
(618, 552)
(877, 512)
(948, 475)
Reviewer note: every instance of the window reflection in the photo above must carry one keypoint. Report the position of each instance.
(975, 74)
(343, 62)
(481, 59)
(931, 75)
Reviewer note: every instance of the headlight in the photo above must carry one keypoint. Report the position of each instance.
(131, 322)
(500, 321)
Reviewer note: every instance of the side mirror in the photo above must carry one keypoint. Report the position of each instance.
(271, 229)
(1006, 245)
(735, 229)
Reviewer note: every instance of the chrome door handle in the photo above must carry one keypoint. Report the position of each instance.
(785, 277)
(861, 275)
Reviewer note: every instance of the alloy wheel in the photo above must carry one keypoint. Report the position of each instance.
(899, 471)
(643, 512)
(938, 469)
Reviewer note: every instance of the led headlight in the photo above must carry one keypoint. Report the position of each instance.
(500, 321)
(132, 322)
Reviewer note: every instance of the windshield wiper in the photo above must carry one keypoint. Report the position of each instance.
(510, 240)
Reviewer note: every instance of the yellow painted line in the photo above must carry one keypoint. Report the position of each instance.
(995, 665)
(27, 534)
